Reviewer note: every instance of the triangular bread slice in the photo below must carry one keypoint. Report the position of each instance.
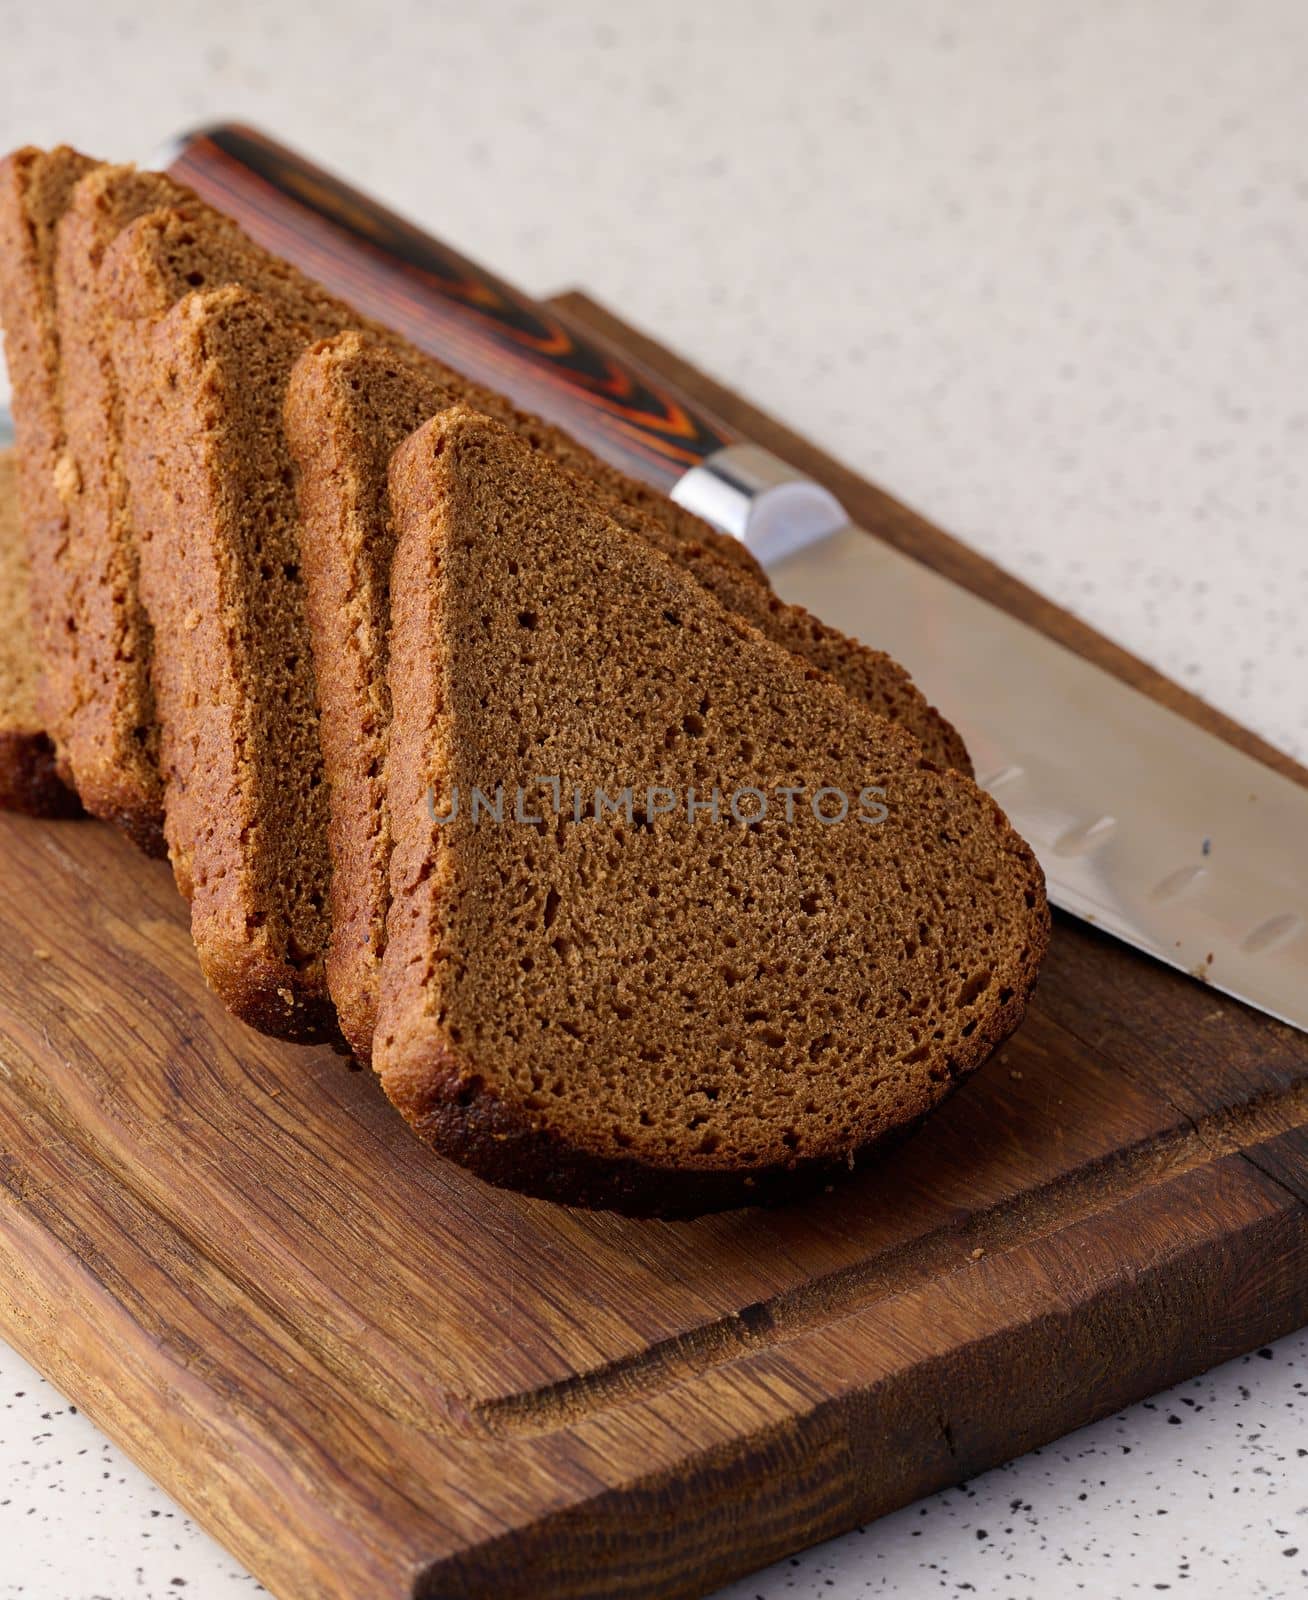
(351, 402)
(646, 1011)
(28, 780)
(98, 666)
(212, 505)
(132, 246)
(36, 187)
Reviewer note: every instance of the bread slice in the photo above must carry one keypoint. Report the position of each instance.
(645, 1011)
(98, 662)
(35, 189)
(28, 780)
(351, 402)
(132, 246)
(213, 505)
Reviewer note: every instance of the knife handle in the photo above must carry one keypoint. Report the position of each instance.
(393, 272)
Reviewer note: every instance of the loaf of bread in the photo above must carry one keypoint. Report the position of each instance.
(28, 780)
(652, 1009)
(351, 402)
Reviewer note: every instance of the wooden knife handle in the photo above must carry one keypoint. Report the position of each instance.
(392, 271)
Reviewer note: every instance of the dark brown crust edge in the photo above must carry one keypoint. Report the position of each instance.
(461, 1119)
(143, 824)
(266, 994)
(29, 780)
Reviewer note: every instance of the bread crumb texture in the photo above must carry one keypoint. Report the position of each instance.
(653, 1013)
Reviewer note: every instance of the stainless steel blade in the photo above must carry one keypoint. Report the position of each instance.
(1146, 825)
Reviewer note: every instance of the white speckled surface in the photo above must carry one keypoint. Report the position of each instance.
(1040, 268)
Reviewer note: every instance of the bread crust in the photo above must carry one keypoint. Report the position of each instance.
(29, 777)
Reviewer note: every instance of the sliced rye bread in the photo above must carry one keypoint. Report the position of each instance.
(132, 246)
(162, 242)
(351, 403)
(212, 502)
(650, 1013)
(35, 190)
(28, 780)
(98, 672)
(155, 263)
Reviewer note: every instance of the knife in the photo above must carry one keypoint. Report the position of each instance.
(1146, 825)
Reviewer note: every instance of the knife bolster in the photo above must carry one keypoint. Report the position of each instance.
(754, 496)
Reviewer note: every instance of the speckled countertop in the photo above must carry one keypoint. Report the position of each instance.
(1040, 268)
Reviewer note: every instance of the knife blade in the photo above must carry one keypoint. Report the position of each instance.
(1146, 825)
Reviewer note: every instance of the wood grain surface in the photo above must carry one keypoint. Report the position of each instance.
(372, 1376)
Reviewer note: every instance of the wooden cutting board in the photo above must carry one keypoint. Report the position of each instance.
(373, 1377)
